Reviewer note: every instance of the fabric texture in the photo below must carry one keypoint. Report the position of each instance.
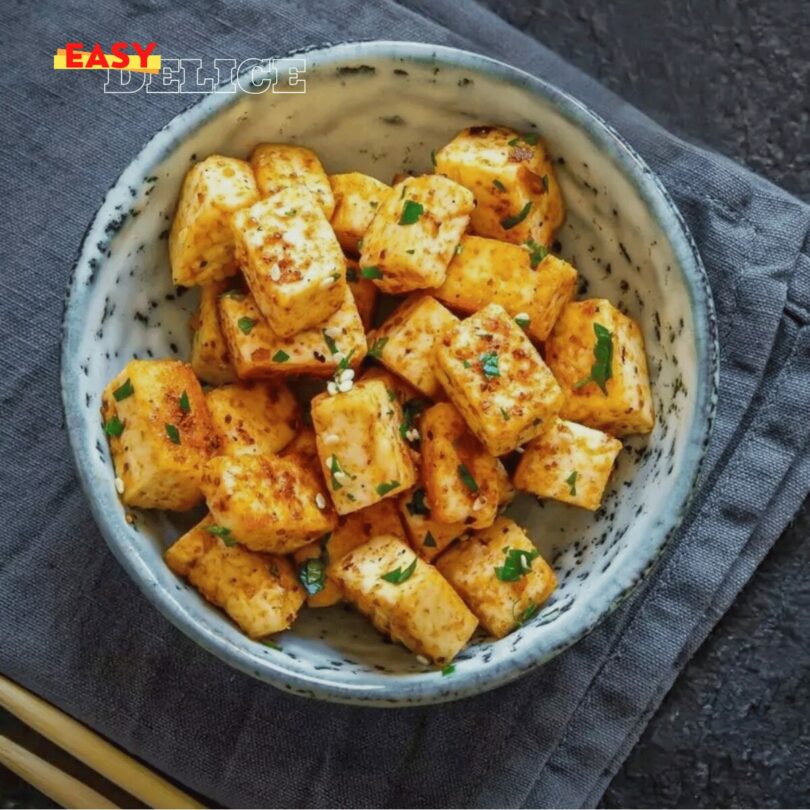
(74, 629)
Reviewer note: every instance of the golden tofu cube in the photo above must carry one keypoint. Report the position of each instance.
(365, 293)
(304, 447)
(280, 166)
(364, 457)
(357, 198)
(257, 352)
(405, 343)
(427, 536)
(512, 177)
(291, 260)
(406, 598)
(597, 355)
(259, 417)
(160, 434)
(209, 349)
(530, 286)
(568, 462)
(267, 503)
(323, 590)
(201, 246)
(411, 239)
(461, 478)
(500, 575)
(496, 378)
(397, 388)
(258, 591)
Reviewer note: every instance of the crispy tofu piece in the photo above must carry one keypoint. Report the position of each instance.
(209, 350)
(357, 198)
(363, 455)
(291, 260)
(268, 503)
(496, 378)
(512, 177)
(365, 293)
(160, 433)
(258, 417)
(352, 531)
(461, 478)
(411, 239)
(258, 591)
(257, 352)
(528, 287)
(625, 406)
(201, 246)
(427, 536)
(279, 166)
(405, 343)
(412, 402)
(500, 575)
(420, 611)
(568, 462)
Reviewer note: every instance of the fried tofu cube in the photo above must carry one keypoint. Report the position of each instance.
(411, 239)
(532, 288)
(267, 503)
(365, 293)
(496, 378)
(160, 434)
(323, 590)
(258, 591)
(201, 246)
(500, 575)
(410, 400)
(209, 350)
(304, 447)
(428, 537)
(405, 343)
(612, 396)
(363, 455)
(406, 598)
(291, 260)
(357, 198)
(279, 166)
(568, 462)
(461, 478)
(258, 417)
(512, 177)
(257, 352)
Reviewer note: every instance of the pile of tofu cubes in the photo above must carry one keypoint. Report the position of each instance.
(387, 488)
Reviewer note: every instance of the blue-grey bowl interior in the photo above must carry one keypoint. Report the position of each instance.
(380, 107)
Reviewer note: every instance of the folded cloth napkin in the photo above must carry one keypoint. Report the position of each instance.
(74, 629)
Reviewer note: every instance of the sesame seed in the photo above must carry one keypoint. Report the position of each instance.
(119, 486)
(347, 374)
(524, 564)
(340, 475)
(479, 503)
(331, 388)
(345, 386)
(320, 501)
(331, 438)
(520, 450)
(412, 435)
(332, 331)
(275, 272)
(422, 660)
(328, 281)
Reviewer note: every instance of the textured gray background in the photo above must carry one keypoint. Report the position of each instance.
(734, 76)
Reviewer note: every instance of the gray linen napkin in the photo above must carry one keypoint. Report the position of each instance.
(74, 629)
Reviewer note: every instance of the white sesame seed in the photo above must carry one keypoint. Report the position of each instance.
(275, 272)
(341, 475)
(332, 331)
(345, 386)
(331, 438)
(422, 660)
(119, 486)
(320, 501)
(412, 435)
(524, 563)
(479, 503)
(347, 374)
(520, 450)
(328, 281)
(331, 388)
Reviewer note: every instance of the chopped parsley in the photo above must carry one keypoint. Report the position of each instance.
(572, 482)
(330, 342)
(516, 564)
(385, 488)
(537, 253)
(185, 405)
(523, 321)
(448, 670)
(433, 157)
(466, 363)
(312, 575)
(489, 364)
(223, 533)
(392, 395)
(417, 505)
(410, 410)
(499, 185)
(124, 391)
(290, 212)
(467, 479)
(371, 272)
(280, 356)
(429, 541)
(602, 369)
(173, 433)
(245, 325)
(399, 574)
(411, 212)
(458, 249)
(530, 138)
(334, 467)
(507, 223)
(114, 427)
(411, 251)
(344, 363)
(545, 182)
(377, 347)
(268, 642)
(525, 615)
(505, 415)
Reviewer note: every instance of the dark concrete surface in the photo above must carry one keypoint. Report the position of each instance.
(734, 76)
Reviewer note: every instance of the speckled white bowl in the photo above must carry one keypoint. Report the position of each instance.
(380, 107)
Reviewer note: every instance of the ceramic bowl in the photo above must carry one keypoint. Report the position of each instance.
(379, 108)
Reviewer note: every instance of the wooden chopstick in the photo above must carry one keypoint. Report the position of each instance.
(48, 779)
(95, 752)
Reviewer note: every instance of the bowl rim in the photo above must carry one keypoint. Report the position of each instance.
(429, 687)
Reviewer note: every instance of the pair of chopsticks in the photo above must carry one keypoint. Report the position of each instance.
(86, 746)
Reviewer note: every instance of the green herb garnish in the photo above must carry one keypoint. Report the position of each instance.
(334, 467)
(245, 325)
(602, 369)
(525, 615)
(173, 433)
(280, 356)
(330, 342)
(433, 157)
(523, 321)
(124, 391)
(185, 405)
(290, 212)
(351, 273)
(466, 478)
(222, 532)
(530, 138)
(505, 414)
(114, 427)
(537, 253)
(377, 347)
(429, 541)
(572, 483)
(509, 222)
(312, 575)
(518, 563)
(448, 670)
(499, 185)
(417, 505)
(371, 272)
(385, 488)
(411, 212)
(410, 410)
(268, 642)
(489, 364)
(399, 575)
